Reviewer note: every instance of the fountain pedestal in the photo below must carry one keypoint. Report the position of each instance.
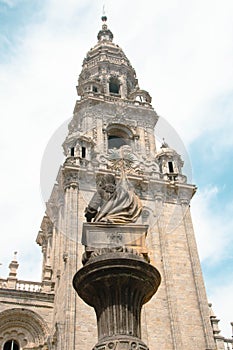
(116, 284)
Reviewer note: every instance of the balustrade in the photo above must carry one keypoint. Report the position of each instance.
(21, 285)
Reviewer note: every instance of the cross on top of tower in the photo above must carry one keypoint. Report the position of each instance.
(104, 17)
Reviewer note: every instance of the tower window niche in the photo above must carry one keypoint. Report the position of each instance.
(114, 86)
(83, 152)
(115, 141)
(117, 138)
(72, 151)
(170, 167)
(11, 345)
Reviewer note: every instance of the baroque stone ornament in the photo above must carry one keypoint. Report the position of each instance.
(125, 159)
(70, 178)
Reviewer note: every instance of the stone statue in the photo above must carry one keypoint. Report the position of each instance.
(112, 202)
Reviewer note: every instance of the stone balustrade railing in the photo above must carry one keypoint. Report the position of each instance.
(112, 98)
(228, 343)
(3, 283)
(27, 286)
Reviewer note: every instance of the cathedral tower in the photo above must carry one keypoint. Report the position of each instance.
(113, 127)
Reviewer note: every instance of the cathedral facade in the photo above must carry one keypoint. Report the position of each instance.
(112, 132)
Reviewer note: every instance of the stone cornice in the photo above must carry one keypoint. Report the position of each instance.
(172, 190)
(26, 295)
(92, 96)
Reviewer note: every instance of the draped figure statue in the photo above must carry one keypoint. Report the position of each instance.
(113, 203)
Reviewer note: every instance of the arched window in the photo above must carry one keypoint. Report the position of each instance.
(118, 137)
(114, 86)
(11, 345)
(115, 141)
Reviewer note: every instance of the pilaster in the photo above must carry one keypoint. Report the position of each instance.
(70, 255)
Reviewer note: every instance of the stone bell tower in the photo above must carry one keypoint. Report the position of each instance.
(112, 130)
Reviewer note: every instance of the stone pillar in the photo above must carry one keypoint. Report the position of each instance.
(116, 282)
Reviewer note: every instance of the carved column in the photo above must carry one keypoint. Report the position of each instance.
(116, 282)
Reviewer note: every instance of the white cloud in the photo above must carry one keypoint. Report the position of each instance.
(188, 58)
(213, 231)
(221, 297)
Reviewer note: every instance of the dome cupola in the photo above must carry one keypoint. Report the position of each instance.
(107, 71)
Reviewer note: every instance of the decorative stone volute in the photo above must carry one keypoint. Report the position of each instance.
(140, 95)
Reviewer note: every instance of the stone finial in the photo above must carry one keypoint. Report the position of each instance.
(13, 266)
(12, 277)
(164, 144)
(105, 34)
(15, 256)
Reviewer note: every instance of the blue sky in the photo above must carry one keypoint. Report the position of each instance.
(15, 18)
(182, 52)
